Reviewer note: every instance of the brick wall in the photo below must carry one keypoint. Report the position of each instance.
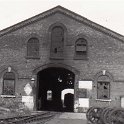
(104, 53)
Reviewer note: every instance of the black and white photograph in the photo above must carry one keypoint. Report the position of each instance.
(61, 61)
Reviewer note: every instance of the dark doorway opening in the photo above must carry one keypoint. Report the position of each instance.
(50, 84)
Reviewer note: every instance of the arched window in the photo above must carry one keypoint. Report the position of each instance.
(103, 87)
(33, 48)
(81, 49)
(57, 42)
(9, 83)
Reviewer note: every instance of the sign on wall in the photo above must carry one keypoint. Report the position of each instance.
(122, 102)
(84, 102)
(28, 99)
(28, 89)
(85, 84)
(28, 102)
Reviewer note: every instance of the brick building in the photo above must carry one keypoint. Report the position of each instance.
(45, 61)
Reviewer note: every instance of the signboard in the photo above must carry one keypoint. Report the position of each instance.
(28, 99)
(85, 84)
(28, 102)
(83, 102)
(28, 89)
(122, 102)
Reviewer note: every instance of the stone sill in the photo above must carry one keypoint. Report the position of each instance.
(28, 57)
(80, 58)
(57, 58)
(8, 96)
(104, 100)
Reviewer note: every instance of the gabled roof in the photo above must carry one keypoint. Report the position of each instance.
(60, 9)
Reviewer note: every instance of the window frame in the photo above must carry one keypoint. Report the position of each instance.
(108, 82)
(99, 77)
(28, 50)
(53, 54)
(81, 55)
(9, 79)
(57, 24)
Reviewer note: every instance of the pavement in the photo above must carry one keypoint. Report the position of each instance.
(68, 118)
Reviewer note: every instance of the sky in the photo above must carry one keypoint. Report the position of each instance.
(108, 13)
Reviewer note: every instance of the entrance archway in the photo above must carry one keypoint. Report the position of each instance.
(51, 82)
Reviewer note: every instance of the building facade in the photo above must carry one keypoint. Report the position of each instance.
(45, 62)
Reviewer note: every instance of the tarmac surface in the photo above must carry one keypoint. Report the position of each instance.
(68, 118)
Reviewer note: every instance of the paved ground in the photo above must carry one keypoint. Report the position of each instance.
(68, 118)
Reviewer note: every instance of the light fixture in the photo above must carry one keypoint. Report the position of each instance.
(59, 79)
(32, 80)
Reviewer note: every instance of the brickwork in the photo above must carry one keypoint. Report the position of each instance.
(104, 53)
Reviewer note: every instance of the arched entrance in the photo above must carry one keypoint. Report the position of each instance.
(51, 82)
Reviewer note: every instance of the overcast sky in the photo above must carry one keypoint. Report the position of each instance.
(108, 13)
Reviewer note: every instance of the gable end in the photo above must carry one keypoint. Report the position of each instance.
(62, 10)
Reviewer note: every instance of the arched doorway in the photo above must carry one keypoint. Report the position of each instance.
(51, 82)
